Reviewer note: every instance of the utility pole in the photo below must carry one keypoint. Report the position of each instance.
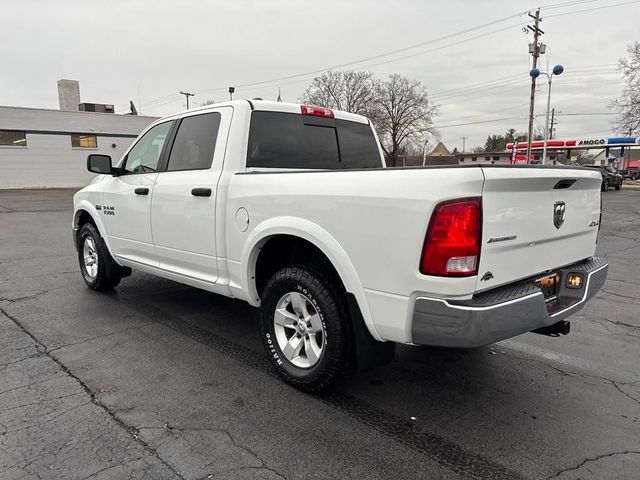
(553, 112)
(534, 49)
(464, 139)
(187, 95)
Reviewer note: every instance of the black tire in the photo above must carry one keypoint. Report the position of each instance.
(605, 185)
(336, 360)
(108, 273)
(618, 186)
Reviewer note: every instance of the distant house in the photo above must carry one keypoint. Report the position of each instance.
(484, 157)
(439, 155)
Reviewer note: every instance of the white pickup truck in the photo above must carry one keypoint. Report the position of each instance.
(290, 208)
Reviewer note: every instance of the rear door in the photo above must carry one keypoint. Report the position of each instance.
(184, 196)
(536, 219)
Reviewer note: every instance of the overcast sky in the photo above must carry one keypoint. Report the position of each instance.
(149, 51)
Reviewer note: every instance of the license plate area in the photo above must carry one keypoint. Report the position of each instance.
(549, 285)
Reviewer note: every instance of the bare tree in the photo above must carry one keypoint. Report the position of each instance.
(628, 104)
(349, 90)
(398, 107)
(403, 113)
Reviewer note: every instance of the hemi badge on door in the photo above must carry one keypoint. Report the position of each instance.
(501, 239)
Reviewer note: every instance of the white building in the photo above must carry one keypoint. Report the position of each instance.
(49, 148)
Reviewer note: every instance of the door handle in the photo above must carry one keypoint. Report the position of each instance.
(142, 191)
(201, 192)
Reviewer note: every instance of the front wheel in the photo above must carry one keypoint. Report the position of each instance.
(306, 329)
(99, 269)
(605, 185)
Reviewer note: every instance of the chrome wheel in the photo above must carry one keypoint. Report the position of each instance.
(90, 256)
(299, 330)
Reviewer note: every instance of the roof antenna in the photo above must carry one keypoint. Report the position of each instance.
(279, 97)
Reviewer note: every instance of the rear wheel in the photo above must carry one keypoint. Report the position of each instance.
(306, 329)
(618, 186)
(99, 269)
(605, 185)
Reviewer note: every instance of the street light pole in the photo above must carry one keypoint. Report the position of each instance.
(546, 123)
(557, 70)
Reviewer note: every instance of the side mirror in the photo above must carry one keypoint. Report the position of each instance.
(98, 163)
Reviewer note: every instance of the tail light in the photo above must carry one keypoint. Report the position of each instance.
(316, 111)
(452, 245)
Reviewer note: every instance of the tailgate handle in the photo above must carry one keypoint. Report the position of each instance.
(142, 191)
(201, 192)
(564, 183)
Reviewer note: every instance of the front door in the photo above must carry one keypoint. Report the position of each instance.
(126, 201)
(183, 207)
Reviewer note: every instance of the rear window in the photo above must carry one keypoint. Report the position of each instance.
(195, 142)
(289, 140)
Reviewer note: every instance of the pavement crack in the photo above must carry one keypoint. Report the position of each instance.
(618, 294)
(27, 385)
(30, 357)
(234, 442)
(515, 353)
(22, 296)
(594, 459)
(94, 338)
(109, 467)
(93, 398)
(40, 402)
(48, 420)
(617, 387)
(224, 473)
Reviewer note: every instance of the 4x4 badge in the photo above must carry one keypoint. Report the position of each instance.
(559, 212)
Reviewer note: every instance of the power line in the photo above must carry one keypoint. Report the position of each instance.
(164, 100)
(411, 47)
(457, 119)
(587, 113)
(493, 120)
(509, 78)
(592, 9)
(311, 75)
(553, 6)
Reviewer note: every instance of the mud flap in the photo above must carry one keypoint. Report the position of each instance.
(370, 353)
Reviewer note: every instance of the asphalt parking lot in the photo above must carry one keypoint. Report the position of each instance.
(157, 380)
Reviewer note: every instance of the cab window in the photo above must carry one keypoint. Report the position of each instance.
(195, 143)
(145, 154)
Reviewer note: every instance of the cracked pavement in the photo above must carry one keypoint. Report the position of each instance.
(158, 380)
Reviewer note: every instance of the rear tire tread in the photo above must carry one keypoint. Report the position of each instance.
(339, 360)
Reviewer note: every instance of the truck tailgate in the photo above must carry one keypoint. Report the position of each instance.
(535, 220)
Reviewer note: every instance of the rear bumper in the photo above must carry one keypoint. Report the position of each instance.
(503, 312)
